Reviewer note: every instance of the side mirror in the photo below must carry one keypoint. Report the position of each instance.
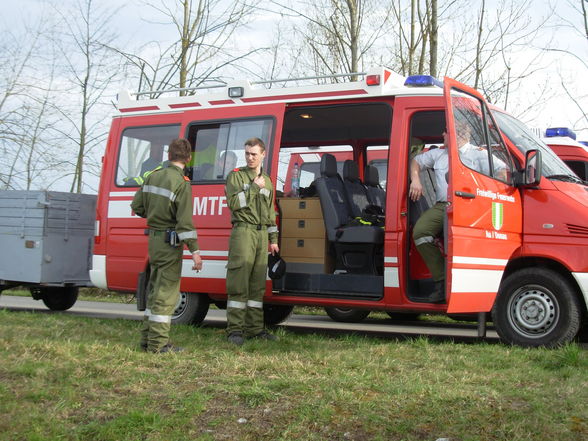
(532, 173)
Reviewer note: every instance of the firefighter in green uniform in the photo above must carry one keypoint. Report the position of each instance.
(250, 198)
(165, 199)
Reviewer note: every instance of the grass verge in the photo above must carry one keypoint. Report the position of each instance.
(73, 378)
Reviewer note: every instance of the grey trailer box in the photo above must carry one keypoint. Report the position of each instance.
(46, 237)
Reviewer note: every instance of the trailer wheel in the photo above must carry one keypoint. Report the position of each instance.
(347, 315)
(190, 309)
(536, 307)
(58, 298)
(276, 314)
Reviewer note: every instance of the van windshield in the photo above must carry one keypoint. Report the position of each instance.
(520, 135)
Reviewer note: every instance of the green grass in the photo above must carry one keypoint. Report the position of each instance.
(65, 377)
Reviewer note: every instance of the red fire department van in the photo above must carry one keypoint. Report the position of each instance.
(562, 141)
(516, 230)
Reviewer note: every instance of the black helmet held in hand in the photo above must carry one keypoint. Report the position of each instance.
(276, 266)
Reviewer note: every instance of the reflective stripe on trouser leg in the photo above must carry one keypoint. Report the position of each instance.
(166, 269)
(244, 278)
(429, 226)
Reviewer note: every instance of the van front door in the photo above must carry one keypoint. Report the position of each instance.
(484, 213)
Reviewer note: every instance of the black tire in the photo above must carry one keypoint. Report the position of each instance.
(403, 316)
(58, 298)
(347, 315)
(537, 307)
(191, 309)
(276, 314)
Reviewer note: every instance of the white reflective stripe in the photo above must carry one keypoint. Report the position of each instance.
(265, 192)
(188, 235)
(391, 279)
(475, 280)
(242, 200)
(254, 304)
(273, 229)
(160, 191)
(235, 304)
(422, 240)
(147, 313)
(390, 259)
(479, 261)
(582, 279)
(246, 187)
(160, 318)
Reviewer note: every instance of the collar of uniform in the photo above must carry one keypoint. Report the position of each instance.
(175, 167)
(250, 173)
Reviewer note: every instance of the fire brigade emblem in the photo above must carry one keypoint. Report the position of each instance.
(497, 215)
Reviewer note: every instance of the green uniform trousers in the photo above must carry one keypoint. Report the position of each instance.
(246, 276)
(163, 290)
(427, 228)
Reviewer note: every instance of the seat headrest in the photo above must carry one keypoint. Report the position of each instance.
(328, 165)
(372, 177)
(350, 171)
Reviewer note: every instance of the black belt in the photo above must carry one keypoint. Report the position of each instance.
(250, 226)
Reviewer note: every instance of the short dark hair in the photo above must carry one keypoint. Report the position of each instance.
(180, 150)
(252, 142)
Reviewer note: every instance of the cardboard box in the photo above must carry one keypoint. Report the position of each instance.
(303, 228)
(298, 208)
(303, 248)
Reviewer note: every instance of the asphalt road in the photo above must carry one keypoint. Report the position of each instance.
(296, 323)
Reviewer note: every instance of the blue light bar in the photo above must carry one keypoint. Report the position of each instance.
(422, 81)
(584, 143)
(560, 131)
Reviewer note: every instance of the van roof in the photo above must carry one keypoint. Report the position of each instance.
(563, 140)
(375, 82)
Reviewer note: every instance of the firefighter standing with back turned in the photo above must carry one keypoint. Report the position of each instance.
(165, 199)
(249, 194)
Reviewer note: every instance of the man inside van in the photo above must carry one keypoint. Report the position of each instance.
(430, 224)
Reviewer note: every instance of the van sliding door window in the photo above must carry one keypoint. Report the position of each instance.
(219, 148)
(479, 144)
(142, 149)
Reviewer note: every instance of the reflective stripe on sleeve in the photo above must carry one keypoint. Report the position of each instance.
(265, 192)
(254, 304)
(242, 199)
(423, 240)
(160, 318)
(160, 191)
(273, 229)
(235, 304)
(188, 235)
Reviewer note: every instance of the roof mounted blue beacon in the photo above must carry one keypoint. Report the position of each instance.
(560, 131)
(422, 81)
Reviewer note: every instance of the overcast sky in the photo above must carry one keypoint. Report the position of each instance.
(132, 26)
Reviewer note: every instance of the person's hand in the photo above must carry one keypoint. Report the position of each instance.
(260, 181)
(274, 248)
(197, 266)
(415, 191)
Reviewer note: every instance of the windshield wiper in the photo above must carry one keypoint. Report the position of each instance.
(566, 178)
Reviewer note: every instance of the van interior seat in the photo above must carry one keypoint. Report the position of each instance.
(357, 193)
(357, 247)
(376, 194)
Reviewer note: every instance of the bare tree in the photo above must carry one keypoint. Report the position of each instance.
(204, 45)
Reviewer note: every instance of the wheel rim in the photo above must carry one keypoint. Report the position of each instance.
(533, 311)
(181, 305)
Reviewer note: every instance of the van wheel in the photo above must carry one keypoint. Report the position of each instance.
(536, 307)
(276, 314)
(58, 298)
(347, 315)
(190, 309)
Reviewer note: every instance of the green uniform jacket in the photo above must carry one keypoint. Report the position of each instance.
(165, 199)
(249, 203)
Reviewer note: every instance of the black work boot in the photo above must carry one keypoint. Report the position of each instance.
(264, 335)
(438, 293)
(168, 347)
(236, 338)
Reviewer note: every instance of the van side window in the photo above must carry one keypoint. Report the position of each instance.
(219, 148)
(479, 144)
(142, 149)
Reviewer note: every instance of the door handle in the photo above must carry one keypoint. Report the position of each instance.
(465, 194)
